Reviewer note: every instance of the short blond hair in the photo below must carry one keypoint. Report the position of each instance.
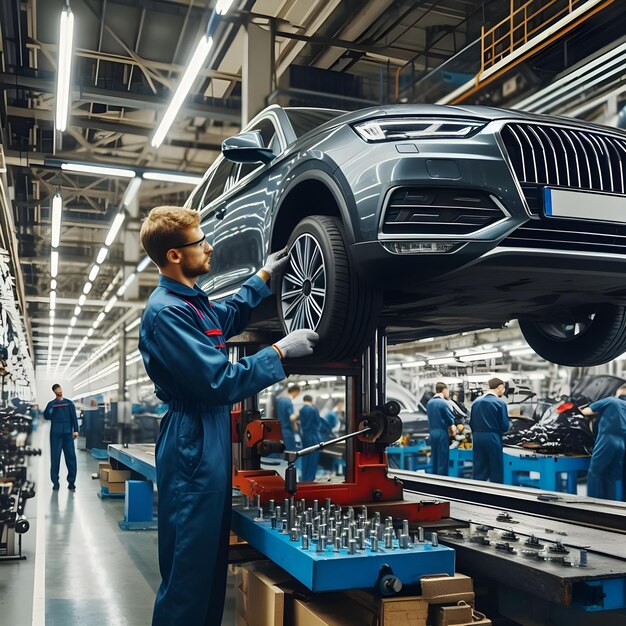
(162, 229)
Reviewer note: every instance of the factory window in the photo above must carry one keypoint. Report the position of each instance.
(219, 181)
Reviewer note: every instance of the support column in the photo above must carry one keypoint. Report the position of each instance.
(256, 72)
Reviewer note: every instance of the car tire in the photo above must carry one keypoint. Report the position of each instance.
(602, 340)
(321, 290)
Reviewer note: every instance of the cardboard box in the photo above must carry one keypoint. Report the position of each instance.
(331, 610)
(101, 467)
(448, 615)
(114, 476)
(395, 611)
(113, 487)
(447, 589)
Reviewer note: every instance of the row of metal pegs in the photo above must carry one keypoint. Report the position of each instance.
(342, 529)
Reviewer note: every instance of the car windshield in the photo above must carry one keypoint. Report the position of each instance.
(303, 120)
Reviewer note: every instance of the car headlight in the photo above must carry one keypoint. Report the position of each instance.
(402, 128)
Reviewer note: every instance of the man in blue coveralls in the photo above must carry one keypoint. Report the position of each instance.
(63, 430)
(440, 419)
(286, 415)
(182, 341)
(489, 420)
(310, 422)
(607, 459)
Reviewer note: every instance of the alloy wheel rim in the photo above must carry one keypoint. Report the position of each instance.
(566, 331)
(304, 285)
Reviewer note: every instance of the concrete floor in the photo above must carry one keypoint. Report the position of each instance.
(95, 573)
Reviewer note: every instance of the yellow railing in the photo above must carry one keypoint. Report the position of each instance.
(523, 22)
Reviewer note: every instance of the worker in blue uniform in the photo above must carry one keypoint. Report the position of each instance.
(287, 416)
(182, 342)
(607, 459)
(440, 419)
(63, 430)
(310, 423)
(489, 420)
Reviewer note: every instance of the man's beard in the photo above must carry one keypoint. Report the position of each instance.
(193, 271)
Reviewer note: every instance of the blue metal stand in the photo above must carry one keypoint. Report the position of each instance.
(138, 506)
(336, 571)
(556, 473)
(410, 458)
(461, 463)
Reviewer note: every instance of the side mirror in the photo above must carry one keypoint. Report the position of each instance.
(246, 148)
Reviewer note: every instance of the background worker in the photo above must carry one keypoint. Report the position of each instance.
(63, 430)
(310, 422)
(607, 458)
(440, 419)
(335, 417)
(287, 416)
(489, 420)
(182, 342)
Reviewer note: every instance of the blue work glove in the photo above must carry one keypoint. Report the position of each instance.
(297, 343)
(276, 262)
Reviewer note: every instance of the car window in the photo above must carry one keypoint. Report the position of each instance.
(270, 140)
(196, 199)
(305, 120)
(220, 182)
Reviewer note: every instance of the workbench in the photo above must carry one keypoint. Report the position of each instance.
(519, 463)
(138, 502)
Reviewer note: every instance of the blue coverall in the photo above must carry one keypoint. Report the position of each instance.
(182, 343)
(332, 419)
(284, 411)
(440, 418)
(607, 459)
(62, 415)
(489, 419)
(310, 426)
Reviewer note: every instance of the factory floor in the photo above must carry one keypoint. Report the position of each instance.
(80, 567)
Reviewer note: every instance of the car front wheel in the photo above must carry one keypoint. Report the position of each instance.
(320, 290)
(591, 337)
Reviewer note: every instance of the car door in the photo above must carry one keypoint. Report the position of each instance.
(242, 217)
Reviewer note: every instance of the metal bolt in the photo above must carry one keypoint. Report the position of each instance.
(374, 544)
(286, 505)
(351, 513)
(257, 501)
(434, 539)
(278, 511)
(388, 541)
(420, 535)
(404, 541)
(293, 534)
(283, 527)
(319, 546)
(328, 505)
(273, 522)
(364, 511)
(315, 506)
(337, 544)
(405, 526)
(368, 529)
(302, 505)
(259, 516)
(360, 538)
(246, 502)
(352, 546)
(323, 541)
(344, 538)
(272, 505)
(377, 517)
(308, 529)
(305, 542)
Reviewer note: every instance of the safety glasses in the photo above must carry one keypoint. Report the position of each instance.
(199, 243)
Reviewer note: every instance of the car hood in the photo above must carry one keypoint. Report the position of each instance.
(474, 112)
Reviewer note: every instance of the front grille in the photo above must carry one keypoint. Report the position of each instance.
(566, 157)
(438, 210)
(567, 234)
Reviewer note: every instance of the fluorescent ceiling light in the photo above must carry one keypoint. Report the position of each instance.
(522, 352)
(480, 357)
(54, 263)
(94, 272)
(97, 170)
(77, 310)
(197, 61)
(73, 321)
(66, 36)
(110, 304)
(57, 209)
(53, 300)
(222, 7)
(131, 191)
(51, 316)
(102, 255)
(90, 332)
(87, 288)
(166, 177)
(442, 361)
(133, 324)
(53, 283)
(141, 266)
(115, 227)
(413, 363)
(129, 279)
(82, 300)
